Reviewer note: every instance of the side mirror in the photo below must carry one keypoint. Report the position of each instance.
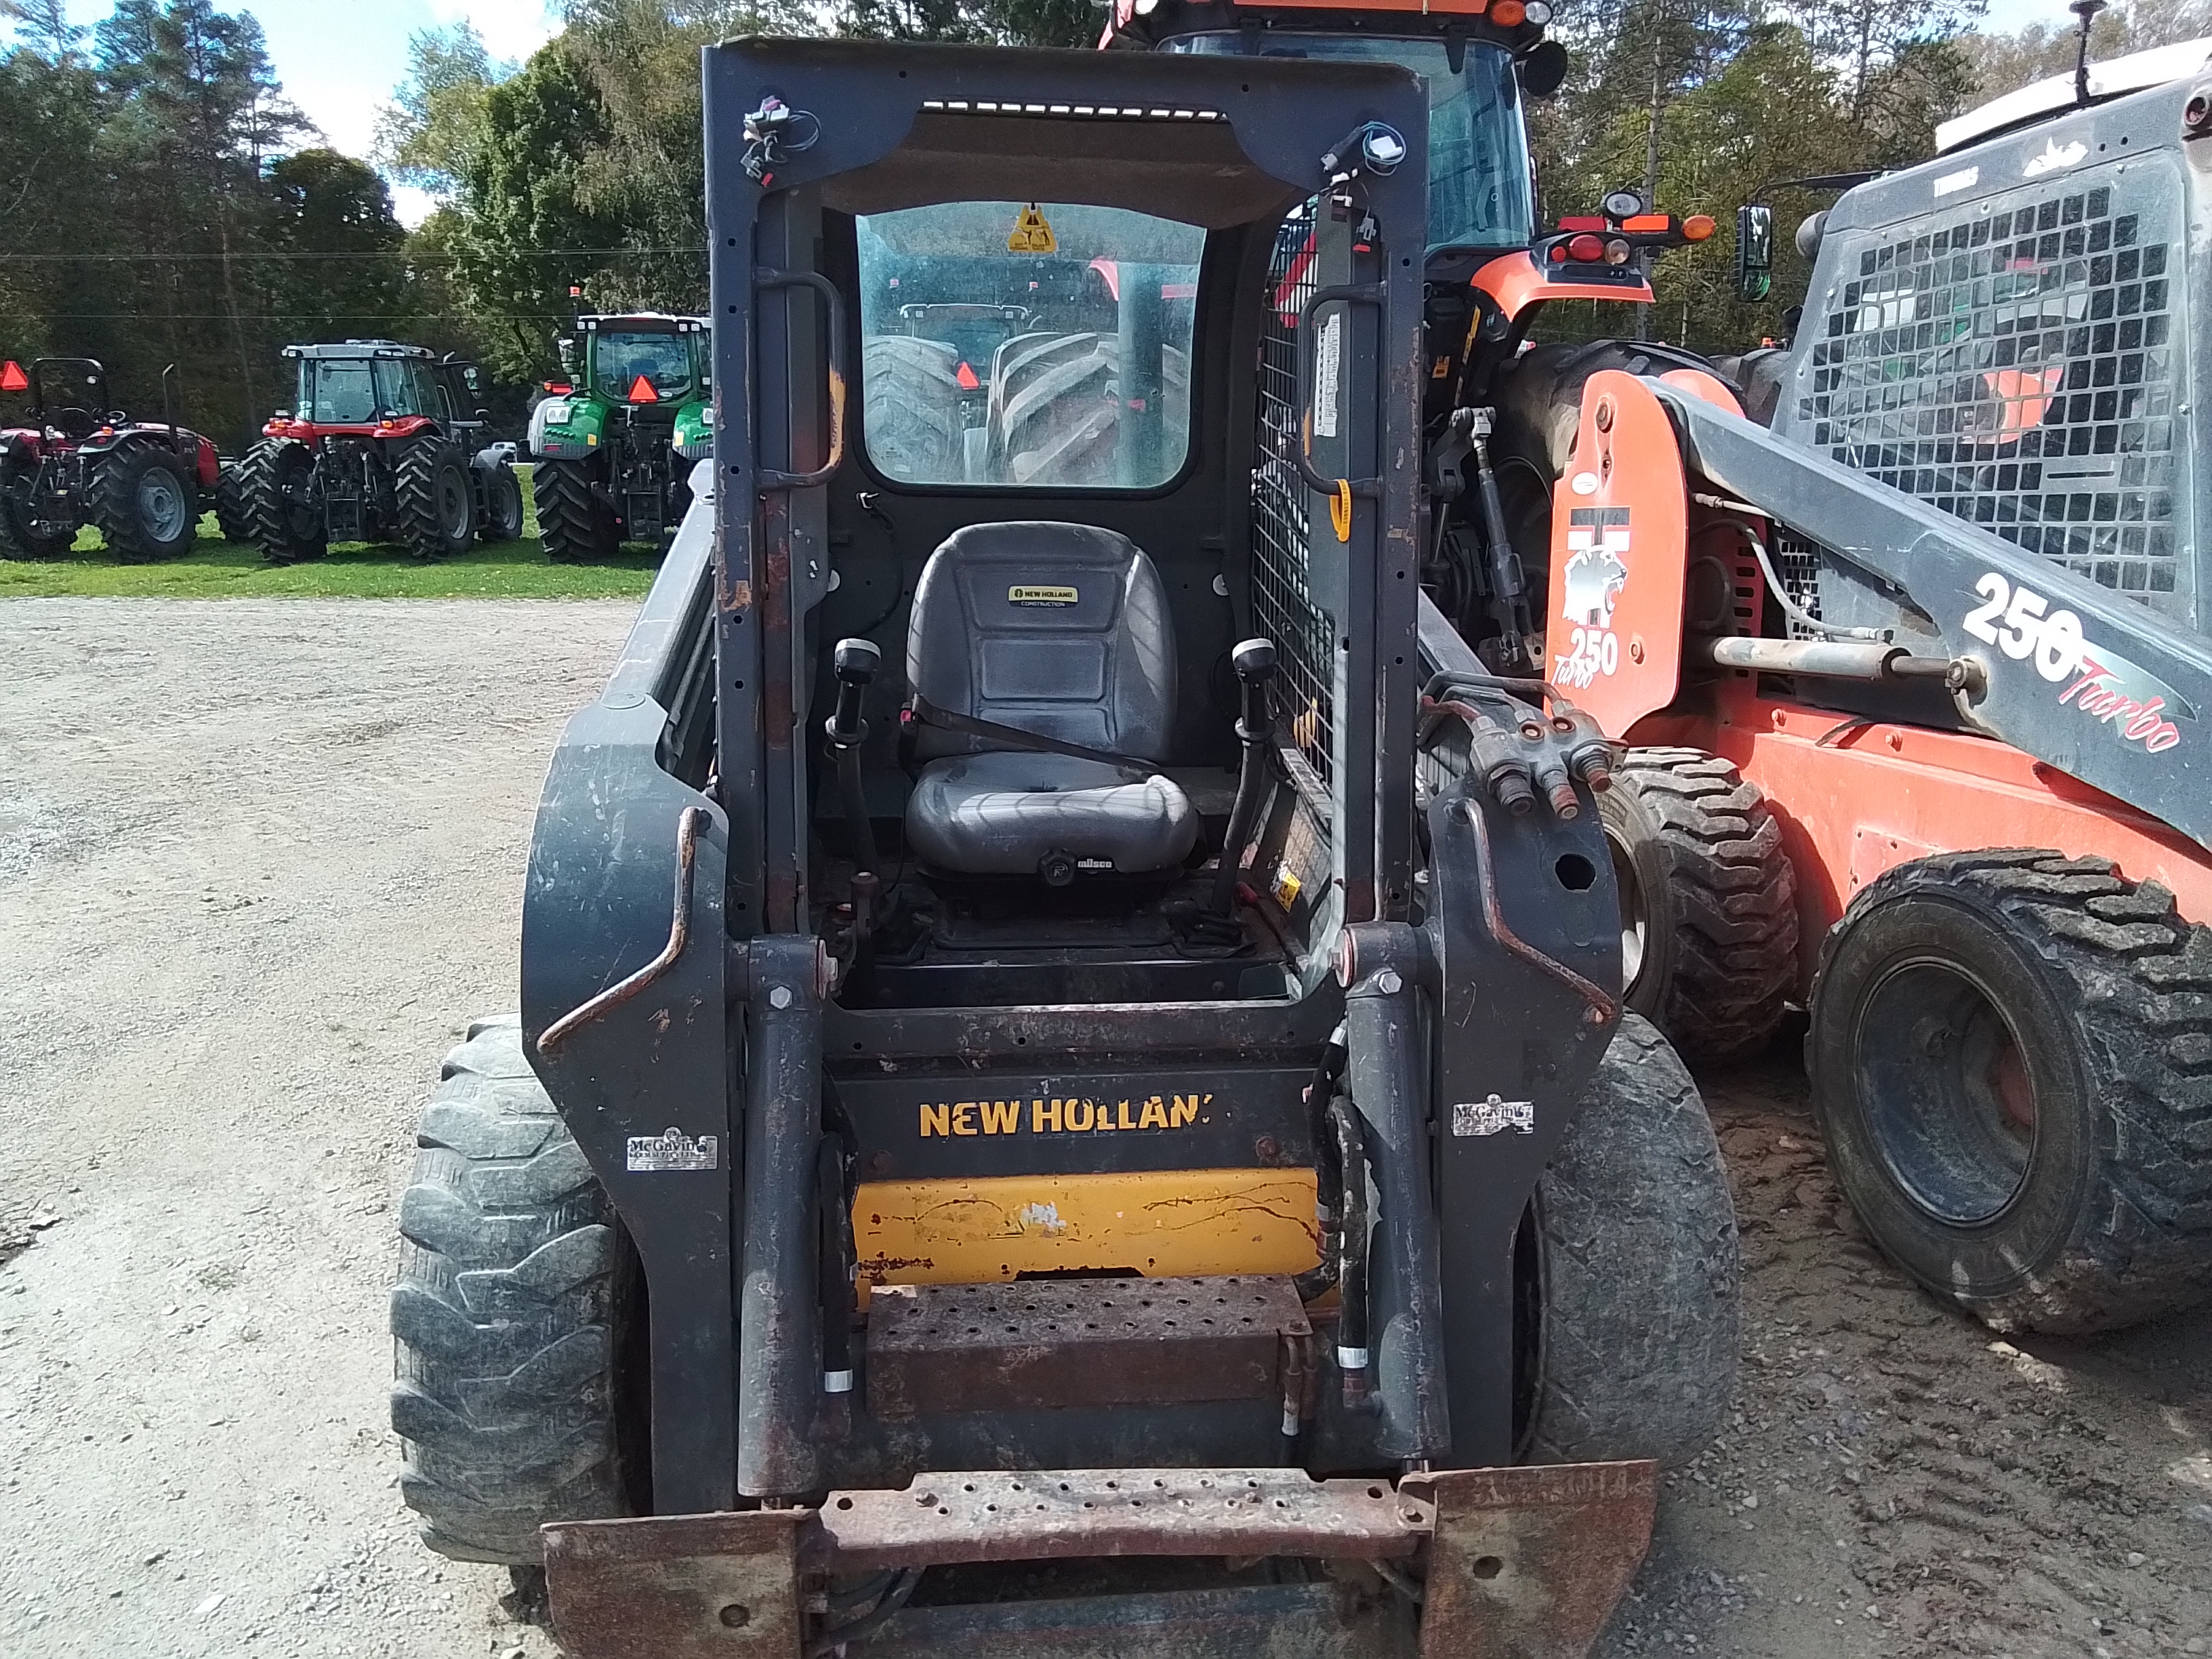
(567, 351)
(1754, 252)
(1543, 69)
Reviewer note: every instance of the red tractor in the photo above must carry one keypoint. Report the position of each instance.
(75, 459)
(382, 446)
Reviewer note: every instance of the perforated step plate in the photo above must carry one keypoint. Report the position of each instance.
(1077, 1342)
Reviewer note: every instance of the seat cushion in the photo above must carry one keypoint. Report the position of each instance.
(1000, 814)
(1057, 628)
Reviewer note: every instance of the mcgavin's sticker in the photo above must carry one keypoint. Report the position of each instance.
(673, 1149)
(1020, 593)
(1493, 1116)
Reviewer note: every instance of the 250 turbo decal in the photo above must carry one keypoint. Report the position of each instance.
(2101, 683)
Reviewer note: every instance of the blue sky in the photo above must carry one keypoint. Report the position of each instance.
(339, 59)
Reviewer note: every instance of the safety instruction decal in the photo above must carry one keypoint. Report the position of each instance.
(1032, 233)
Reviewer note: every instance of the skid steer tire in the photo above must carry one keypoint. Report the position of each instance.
(1638, 1277)
(283, 515)
(572, 524)
(509, 1317)
(1708, 900)
(434, 501)
(2011, 1059)
(146, 503)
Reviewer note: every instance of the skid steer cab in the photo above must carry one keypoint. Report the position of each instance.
(384, 443)
(1070, 1086)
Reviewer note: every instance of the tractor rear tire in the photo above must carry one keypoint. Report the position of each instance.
(284, 518)
(1708, 900)
(572, 523)
(1637, 1269)
(2011, 1059)
(1540, 401)
(511, 1314)
(145, 502)
(502, 517)
(435, 506)
(234, 515)
(19, 539)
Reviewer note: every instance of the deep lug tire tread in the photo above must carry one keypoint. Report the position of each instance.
(268, 515)
(1642, 1271)
(115, 501)
(1721, 889)
(504, 1314)
(571, 525)
(2134, 979)
(414, 498)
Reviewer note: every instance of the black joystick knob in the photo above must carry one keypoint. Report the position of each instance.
(854, 662)
(1255, 662)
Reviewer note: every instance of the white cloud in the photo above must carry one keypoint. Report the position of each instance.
(511, 29)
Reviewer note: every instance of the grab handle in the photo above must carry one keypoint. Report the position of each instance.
(834, 303)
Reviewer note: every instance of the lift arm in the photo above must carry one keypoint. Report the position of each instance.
(2072, 673)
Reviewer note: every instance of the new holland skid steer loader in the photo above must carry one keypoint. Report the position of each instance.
(1070, 1092)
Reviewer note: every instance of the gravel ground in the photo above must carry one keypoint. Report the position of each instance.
(257, 864)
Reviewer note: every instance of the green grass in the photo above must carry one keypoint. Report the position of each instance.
(218, 569)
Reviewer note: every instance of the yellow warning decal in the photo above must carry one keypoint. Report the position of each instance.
(1287, 887)
(1023, 593)
(1032, 233)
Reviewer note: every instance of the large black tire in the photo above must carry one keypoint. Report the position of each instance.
(912, 408)
(1638, 1274)
(1539, 402)
(1708, 900)
(145, 502)
(234, 515)
(436, 505)
(510, 1316)
(503, 516)
(2011, 1056)
(21, 537)
(283, 515)
(573, 524)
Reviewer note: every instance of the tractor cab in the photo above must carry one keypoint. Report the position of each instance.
(614, 439)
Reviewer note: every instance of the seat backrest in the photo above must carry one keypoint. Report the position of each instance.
(1057, 628)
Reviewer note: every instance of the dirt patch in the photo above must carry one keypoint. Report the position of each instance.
(1896, 1480)
(281, 865)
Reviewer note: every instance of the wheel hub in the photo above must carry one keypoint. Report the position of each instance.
(161, 507)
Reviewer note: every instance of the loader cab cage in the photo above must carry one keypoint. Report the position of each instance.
(1115, 412)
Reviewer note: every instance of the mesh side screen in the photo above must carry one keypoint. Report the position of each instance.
(1797, 562)
(1281, 606)
(2017, 363)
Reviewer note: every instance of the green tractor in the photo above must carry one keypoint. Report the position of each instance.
(614, 444)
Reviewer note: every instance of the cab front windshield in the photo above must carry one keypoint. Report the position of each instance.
(1479, 193)
(620, 357)
(358, 391)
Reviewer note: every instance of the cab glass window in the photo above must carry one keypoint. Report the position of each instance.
(337, 392)
(1039, 344)
(664, 360)
(1481, 195)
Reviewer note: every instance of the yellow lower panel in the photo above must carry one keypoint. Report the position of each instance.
(1161, 1222)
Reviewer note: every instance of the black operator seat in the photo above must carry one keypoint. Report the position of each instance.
(1057, 629)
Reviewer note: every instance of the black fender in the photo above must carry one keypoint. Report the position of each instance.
(641, 1075)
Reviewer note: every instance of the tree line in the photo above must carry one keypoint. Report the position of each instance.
(161, 201)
